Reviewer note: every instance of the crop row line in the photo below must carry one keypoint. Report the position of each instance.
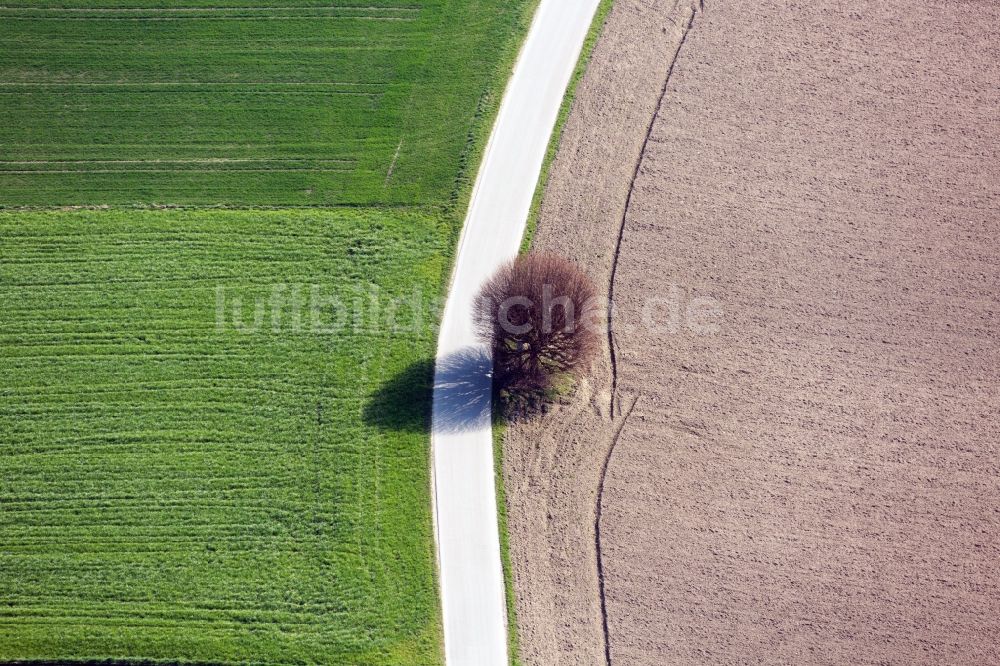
(27, 84)
(175, 385)
(288, 480)
(311, 611)
(213, 625)
(152, 612)
(196, 497)
(101, 285)
(245, 91)
(23, 172)
(210, 523)
(207, 619)
(208, 17)
(121, 10)
(205, 160)
(242, 476)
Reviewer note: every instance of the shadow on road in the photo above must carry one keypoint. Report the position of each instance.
(464, 401)
(463, 386)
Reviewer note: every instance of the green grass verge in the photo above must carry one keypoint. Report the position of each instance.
(499, 428)
(184, 488)
(205, 102)
(513, 644)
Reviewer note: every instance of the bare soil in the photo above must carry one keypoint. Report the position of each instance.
(817, 480)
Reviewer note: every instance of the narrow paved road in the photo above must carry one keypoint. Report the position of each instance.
(472, 589)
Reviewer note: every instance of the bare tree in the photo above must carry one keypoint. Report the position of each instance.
(537, 314)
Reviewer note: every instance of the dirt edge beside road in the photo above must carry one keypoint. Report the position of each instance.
(553, 467)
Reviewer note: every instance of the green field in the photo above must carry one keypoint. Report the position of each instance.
(177, 489)
(180, 482)
(220, 102)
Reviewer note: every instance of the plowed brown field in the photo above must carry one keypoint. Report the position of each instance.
(816, 477)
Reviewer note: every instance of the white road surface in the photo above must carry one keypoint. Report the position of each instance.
(472, 588)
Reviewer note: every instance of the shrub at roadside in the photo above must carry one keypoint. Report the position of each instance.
(539, 317)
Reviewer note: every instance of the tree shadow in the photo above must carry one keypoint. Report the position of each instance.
(463, 386)
(462, 401)
(403, 404)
